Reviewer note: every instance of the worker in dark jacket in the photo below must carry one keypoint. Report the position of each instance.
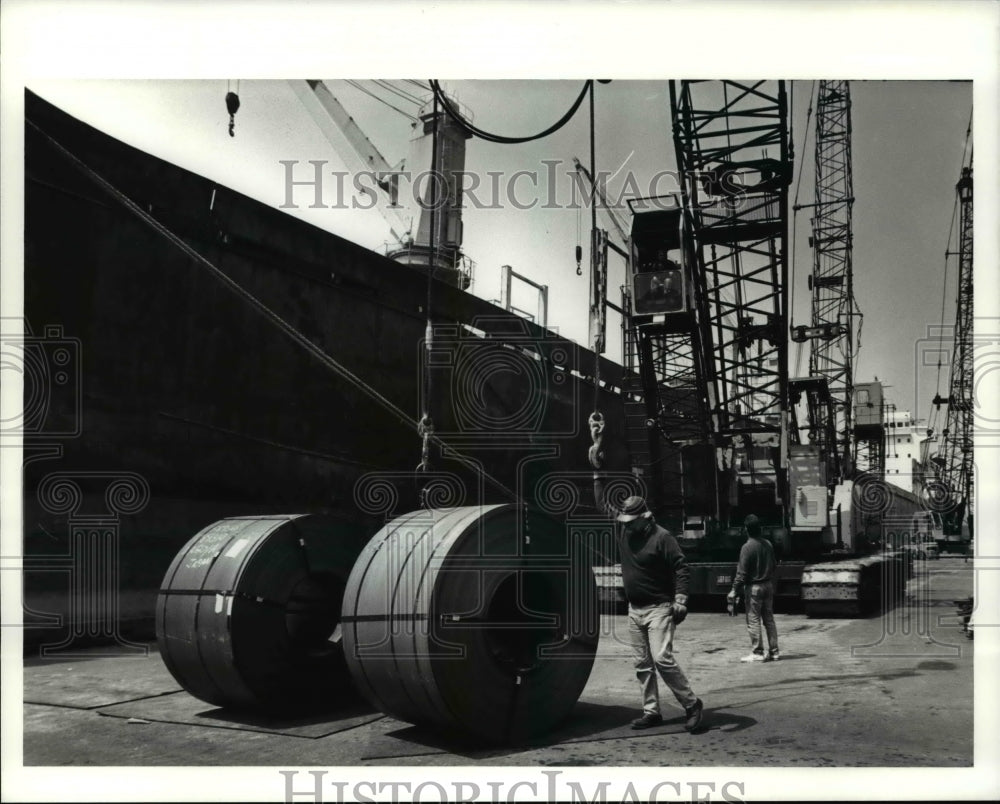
(755, 577)
(655, 577)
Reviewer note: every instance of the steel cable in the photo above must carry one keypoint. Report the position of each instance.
(497, 138)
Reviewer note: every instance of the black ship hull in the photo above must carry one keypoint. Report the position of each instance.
(160, 394)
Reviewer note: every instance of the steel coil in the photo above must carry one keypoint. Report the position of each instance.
(479, 621)
(249, 611)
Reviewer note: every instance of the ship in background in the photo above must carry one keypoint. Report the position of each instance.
(193, 354)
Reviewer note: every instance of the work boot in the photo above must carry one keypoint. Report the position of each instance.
(774, 656)
(753, 657)
(694, 715)
(647, 721)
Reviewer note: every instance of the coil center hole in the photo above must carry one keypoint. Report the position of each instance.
(312, 612)
(520, 620)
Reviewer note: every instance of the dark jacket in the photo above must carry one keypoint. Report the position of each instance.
(757, 564)
(654, 569)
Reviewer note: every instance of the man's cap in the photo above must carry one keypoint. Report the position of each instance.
(633, 508)
(752, 525)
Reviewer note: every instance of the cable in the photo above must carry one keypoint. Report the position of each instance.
(805, 137)
(371, 94)
(968, 138)
(944, 289)
(398, 92)
(401, 93)
(594, 257)
(426, 427)
(497, 138)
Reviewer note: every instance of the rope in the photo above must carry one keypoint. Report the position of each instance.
(255, 303)
(497, 138)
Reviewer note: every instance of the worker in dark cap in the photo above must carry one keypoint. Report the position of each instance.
(655, 577)
(755, 576)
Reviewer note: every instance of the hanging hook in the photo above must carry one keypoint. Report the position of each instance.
(595, 453)
(232, 106)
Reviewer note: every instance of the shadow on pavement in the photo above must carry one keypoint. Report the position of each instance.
(182, 708)
(589, 722)
(721, 720)
(293, 720)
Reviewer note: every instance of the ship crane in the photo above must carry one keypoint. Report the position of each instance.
(411, 220)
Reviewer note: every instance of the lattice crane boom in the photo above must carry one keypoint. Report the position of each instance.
(709, 339)
(733, 151)
(832, 281)
(956, 454)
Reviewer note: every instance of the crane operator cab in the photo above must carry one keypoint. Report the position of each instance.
(661, 289)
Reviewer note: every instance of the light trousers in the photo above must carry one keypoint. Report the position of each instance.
(760, 608)
(651, 633)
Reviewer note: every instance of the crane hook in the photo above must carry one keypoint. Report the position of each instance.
(232, 106)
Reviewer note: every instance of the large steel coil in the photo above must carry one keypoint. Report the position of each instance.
(479, 621)
(249, 610)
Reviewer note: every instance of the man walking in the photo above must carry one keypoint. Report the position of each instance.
(755, 575)
(655, 577)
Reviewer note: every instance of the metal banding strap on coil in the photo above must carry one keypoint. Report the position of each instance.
(478, 621)
(248, 611)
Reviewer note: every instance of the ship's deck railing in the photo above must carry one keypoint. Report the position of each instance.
(539, 357)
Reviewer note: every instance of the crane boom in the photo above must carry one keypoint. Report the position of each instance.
(358, 150)
(956, 459)
(733, 153)
(707, 344)
(832, 281)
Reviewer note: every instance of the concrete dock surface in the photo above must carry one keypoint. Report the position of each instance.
(889, 691)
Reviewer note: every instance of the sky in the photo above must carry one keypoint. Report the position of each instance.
(909, 143)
